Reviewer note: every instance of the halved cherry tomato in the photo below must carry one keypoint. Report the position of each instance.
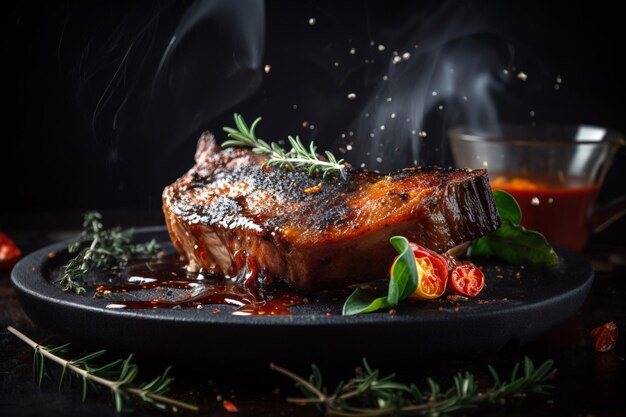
(604, 337)
(9, 252)
(433, 273)
(467, 280)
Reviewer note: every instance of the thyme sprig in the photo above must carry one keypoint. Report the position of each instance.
(298, 157)
(99, 248)
(369, 394)
(118, 376)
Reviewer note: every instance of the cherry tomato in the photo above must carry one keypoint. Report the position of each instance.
(467, 280)
(432, 271)
(9, 253)
(604, 337)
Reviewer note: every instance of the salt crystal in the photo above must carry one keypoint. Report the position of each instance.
(389, 98)
(522, 76)
(505, 71)
(336, 64)
(396, 60)
(367, 115)
(382, 127)
(534, 201)
(434, 93)
(352, 51)
(312, 127)
(363, 165)
(295, 107)
(440, 107)
(465, 98)
(349, 147)
(385, 78)
(351, 96)
(351, 133)
(343, 135)
(312, 21)
(406, 56)
(372, 135)
(267, 68)
(381, 48)
(559, 79)
(379, 159)
(556, 86)
(485, 164)
(422, 134)
(550, 200)
(532, 113)
(371, 43)
(393, 115)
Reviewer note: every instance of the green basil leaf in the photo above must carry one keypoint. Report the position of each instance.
(361, 302)
(516, 245)
(405, 279)
(507, 206)
(403, 283)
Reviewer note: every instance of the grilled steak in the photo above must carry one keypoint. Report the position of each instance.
(317, 233)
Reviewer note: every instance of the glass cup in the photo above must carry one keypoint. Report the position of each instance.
(554, 172)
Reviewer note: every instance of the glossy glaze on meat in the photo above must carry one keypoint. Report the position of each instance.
(317, 233)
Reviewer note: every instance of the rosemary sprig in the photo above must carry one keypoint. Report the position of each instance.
(99, 248)
(368, 394)
(298, 157)
(118, 376)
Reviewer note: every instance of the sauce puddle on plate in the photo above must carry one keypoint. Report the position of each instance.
(169, 272)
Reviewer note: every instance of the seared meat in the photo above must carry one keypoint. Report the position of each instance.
(317, 233)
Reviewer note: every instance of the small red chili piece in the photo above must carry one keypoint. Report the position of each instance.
(230, 407)
(604, 337)
(9, 253)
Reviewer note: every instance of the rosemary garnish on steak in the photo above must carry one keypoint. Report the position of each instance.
(298, 157)
(99, 248)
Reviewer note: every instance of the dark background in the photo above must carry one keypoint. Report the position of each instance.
(93, 122)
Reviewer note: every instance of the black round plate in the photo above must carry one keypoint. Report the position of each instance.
(516, 305)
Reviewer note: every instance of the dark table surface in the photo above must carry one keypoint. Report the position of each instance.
(587, 383)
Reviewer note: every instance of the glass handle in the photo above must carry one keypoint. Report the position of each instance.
(608, 214)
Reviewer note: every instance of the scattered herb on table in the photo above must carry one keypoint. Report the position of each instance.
(118, 376)
(512, 242)
(99, 248)
(298, 157)
(369, 394)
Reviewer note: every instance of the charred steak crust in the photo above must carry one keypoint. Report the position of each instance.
(333, 235)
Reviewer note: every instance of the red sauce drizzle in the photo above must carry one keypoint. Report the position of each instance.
(244, 290)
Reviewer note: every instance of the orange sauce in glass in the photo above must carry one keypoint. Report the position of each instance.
(558, 209)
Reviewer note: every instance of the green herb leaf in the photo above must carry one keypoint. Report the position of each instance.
(405, 278)
(507, 207)
(361, 302)
(512, 242)
(403, 282)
